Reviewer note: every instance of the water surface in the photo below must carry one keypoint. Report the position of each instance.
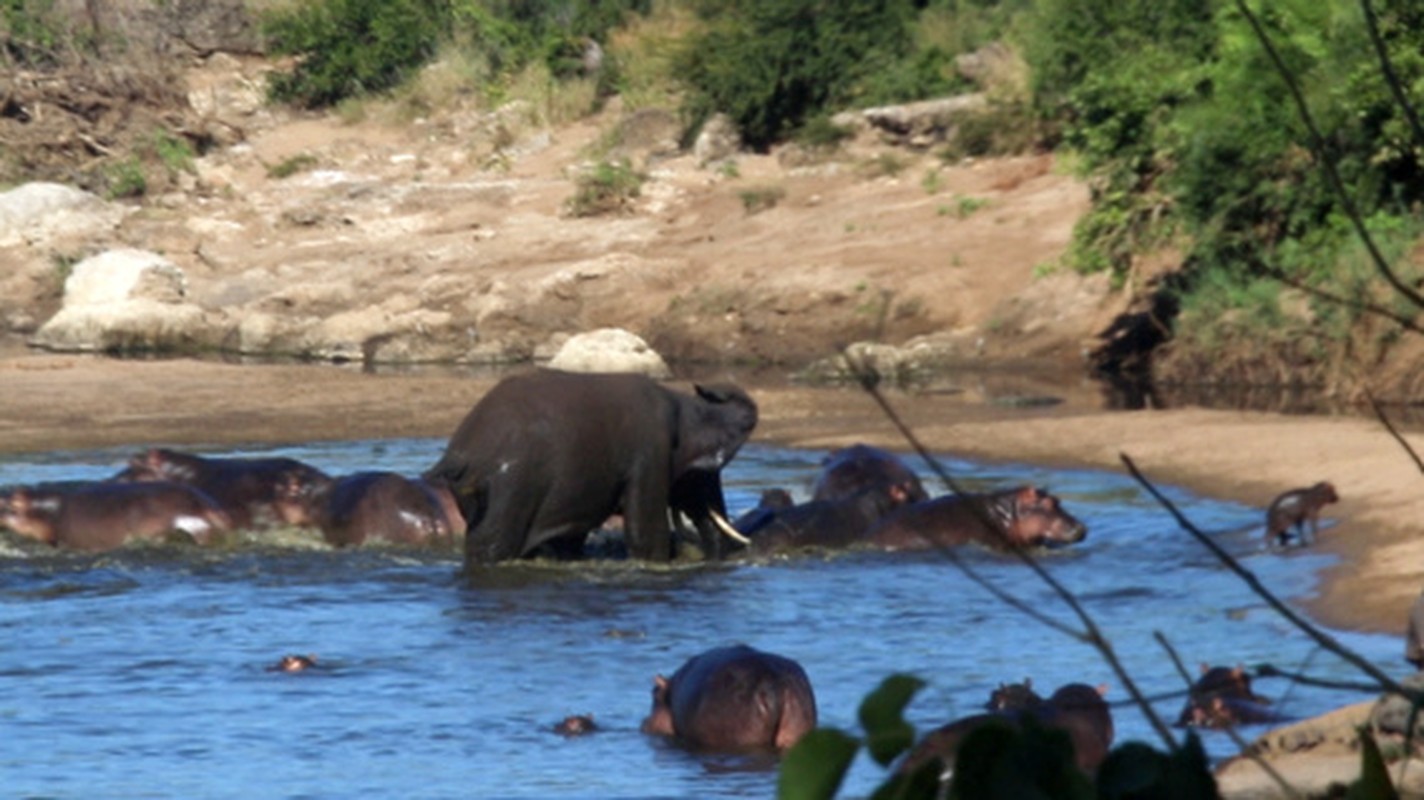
(143, 673)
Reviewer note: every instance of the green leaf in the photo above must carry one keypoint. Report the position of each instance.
(882, 715)
(815, 766)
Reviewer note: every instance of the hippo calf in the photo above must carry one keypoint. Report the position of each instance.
(1013, 518)
(103, 516)
(1295, 508)
(734, 699)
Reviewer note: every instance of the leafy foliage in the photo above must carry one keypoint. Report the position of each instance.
(350, 47)
(775, 64)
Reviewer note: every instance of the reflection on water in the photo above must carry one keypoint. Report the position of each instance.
(144, 672)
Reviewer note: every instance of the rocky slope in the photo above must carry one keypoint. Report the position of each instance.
(450, 238)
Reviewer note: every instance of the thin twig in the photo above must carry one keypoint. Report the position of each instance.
(1332, 175)
(1090, 634)
(1241, 746)
(1357, 305)
(1321, 638)
(1272, 671)
(1390, 76)
(1398, 437)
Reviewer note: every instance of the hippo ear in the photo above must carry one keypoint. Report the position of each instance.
(660, 682)
(1102, 689)
(1205, 667)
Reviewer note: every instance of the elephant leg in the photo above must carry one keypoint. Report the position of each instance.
(503, 531)
(645, 512)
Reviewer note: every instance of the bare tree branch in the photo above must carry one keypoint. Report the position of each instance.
(1091, 633)
(1379, 412)
(1321, 638)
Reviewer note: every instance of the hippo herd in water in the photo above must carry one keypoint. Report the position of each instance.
(548, 457)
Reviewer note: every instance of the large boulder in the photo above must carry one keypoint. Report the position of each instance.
(126, 300)
(609, 350)
(39, 213)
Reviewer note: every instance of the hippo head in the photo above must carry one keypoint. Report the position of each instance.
(659, 720)
(1038, 520)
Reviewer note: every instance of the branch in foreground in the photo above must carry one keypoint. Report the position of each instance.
(1091, 633)
(1320, 637)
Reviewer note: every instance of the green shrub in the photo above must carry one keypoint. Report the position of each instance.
(290, 166)
(607, 188)
(350, 47)
(761, 198)
(773, 65)
(125, 178)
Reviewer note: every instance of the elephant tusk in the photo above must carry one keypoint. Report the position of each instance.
(732, 533)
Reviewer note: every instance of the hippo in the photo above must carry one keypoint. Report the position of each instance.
(1222, 698)
(245, 487)
(1027, 517)
(293, 663)
(852, 470)
(365, 507)
(824, 523)
(1293, 509)
(103, 516)
(576, 725)
(1014, 697)
(734, 699)
(1075, 708)
(771, 501)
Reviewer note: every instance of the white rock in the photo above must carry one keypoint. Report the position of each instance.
(609, 350)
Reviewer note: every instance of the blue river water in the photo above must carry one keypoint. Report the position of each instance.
(143, 673)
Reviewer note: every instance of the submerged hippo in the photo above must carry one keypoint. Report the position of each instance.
(853, 470)
(103, 516)
(734, 699)
(1075, 708)
(245, 488)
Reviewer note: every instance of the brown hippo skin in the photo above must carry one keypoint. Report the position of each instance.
(103, 516)
(366, 507)
(823, 523)
(852, 470)
(550, 455)
(1026, 517)
(1295, 508)
(734, 699)
(1222, 698)
(246, 488)
(1075, 708)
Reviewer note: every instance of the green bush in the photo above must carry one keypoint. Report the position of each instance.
(773, 65)
(350, 47)
(607, 188)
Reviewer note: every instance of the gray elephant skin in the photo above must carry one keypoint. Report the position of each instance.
(547, 456)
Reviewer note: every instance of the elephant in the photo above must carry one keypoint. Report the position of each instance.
(547, 456)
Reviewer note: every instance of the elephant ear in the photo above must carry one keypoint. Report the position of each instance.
(717, 392)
